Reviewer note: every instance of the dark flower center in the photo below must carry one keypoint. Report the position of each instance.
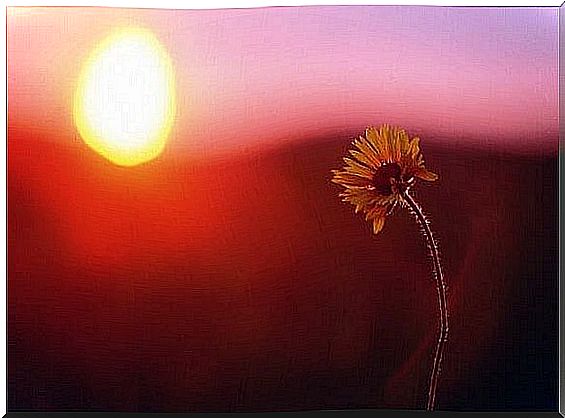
(383, 176)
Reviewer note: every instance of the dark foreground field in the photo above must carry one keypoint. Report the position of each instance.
(244, 284)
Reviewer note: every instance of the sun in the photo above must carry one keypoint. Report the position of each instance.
(124, 103)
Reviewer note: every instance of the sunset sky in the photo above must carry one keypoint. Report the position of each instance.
(258, 76)
(226, 274)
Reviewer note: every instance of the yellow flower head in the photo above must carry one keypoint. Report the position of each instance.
(382, 168)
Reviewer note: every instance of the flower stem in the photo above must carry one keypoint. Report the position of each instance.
(440, 284)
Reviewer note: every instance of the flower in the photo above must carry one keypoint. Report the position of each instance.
(382, 168)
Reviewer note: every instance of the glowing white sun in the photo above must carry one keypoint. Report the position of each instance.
(125, 100)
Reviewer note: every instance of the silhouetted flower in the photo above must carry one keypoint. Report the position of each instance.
(383, 166)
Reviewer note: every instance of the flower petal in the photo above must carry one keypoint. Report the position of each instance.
(424, 174)
(414, 147)
(363, 195)
(359, 169)
(370, 152)
(378, 224)
(383, 140)
(379, 140)
(396, 142)
(404, 143)
(348, 179)
(362, 157)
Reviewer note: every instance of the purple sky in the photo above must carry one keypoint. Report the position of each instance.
(251, 76)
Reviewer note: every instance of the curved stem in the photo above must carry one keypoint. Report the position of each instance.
(417, 211)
